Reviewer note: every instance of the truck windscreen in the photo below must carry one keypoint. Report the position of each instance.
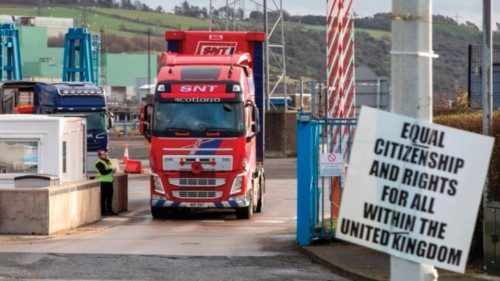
(198, 119)
(96, 121)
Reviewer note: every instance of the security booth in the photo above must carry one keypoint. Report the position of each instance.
(39, 144)
(43, 186)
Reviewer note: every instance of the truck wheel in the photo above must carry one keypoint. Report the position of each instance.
(157, 212)
(245, 212)
(260, 202)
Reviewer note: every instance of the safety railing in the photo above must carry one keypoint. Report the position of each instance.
(319, 193)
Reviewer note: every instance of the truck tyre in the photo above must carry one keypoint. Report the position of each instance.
(260, 200)
(246, 212)
(157, 212)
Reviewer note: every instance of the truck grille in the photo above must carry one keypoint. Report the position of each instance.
(195, 194)
(209, 163)
(196, 182)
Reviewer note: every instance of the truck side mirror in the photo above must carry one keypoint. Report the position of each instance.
(255, 127)
(144, 119)
(255, 119)
(111, 120)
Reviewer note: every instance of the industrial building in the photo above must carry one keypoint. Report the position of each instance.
(371, 90)
(43, 63)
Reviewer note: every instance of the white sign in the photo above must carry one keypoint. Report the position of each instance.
(331, 164)
(413, 189)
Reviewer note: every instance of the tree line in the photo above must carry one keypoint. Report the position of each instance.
(305, 48)
(184, 9)
(121, 4)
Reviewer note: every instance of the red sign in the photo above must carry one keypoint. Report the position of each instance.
(199, 88)
(216, 37)
(215, 48)
(331, 157)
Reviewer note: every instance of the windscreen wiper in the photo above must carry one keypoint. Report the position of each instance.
(175, 129)
(214, 129)
(214, 132)
(180, 132)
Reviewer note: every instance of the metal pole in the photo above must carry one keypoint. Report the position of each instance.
(149, 60)
(210, 16)
(377, 102)
(486, 69)
(324, 99)
(266, 58)
(285, 94)
(301, 96)
(84, 16)
(314, 100)
(283, 54)
(39, 8)
(411, 70)
(305, 153)
(102, 65)
(234, 15)
(486, 86)
(227, 15)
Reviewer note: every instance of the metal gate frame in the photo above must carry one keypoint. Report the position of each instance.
(315, 193)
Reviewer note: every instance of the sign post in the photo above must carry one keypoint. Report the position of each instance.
(331, 165)
(412, 190)
(411, 83)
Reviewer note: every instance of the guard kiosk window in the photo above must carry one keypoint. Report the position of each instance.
(19, 156)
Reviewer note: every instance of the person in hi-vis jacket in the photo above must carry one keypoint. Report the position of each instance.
(105, 178)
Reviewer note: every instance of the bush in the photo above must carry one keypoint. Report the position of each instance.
(472, 121)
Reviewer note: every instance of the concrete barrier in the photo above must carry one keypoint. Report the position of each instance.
(120, 193)
(47, 210)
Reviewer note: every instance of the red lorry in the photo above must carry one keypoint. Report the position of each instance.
(204, 124)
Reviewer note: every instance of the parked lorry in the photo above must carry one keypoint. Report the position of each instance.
(79, 99)
(207, 148)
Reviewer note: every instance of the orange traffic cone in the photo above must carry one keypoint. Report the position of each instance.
(125, 155)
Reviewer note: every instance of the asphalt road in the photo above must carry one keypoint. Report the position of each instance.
(202, 245)
(140, 267)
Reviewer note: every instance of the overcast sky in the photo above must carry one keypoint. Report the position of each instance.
(463, 10)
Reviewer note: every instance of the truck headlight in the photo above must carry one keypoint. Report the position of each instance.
(157, 184)
(237, 184)
(236, 88)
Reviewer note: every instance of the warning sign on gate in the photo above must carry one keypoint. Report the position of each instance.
(331, 165)
(413, 189)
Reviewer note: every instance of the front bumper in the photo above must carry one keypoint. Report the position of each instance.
(163, 202)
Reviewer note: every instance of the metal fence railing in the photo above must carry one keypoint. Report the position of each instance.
(318, 197)
(474, 87)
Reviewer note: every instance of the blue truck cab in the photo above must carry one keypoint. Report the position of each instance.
(81, 99)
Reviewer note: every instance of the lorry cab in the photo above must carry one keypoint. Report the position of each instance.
(207, 149)
(78, 99)
(203, 127)
(16, 97)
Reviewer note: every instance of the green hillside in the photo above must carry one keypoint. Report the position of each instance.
(374, 33)
(119, 22)
(156, 21)
(305, 43)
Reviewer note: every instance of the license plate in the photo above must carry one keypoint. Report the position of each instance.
(197, 204)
